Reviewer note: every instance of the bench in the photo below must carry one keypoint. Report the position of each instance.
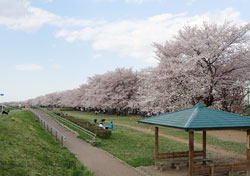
(180, 163)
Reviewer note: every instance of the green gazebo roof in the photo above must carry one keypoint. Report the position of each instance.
(198, 118)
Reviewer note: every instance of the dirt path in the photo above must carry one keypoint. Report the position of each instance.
(97, 160)
(230, 135)
(217, 152)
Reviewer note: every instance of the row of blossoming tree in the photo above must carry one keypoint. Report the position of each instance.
(208, 63)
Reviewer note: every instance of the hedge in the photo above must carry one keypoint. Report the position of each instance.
(100, 132)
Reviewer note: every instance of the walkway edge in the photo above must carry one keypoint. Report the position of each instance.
(107, 153)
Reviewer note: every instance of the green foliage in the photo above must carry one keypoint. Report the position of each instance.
(134, 147)
(101, 133)
(28, 150)
(8, 109)
(246, 110)
(66, 109)
(132, 121)
(137, 148)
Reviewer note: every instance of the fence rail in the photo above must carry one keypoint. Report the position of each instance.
(47, 126)
(233, 169)
(178, 155)
(69, 123)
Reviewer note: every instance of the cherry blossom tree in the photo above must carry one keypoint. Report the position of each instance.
(114, 90)
(202, 61)
(208, 63)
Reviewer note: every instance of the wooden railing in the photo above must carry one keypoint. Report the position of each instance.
(177, 155)
(88, 135)
(234, 169)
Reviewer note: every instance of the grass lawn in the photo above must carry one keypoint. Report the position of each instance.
(132, 121)
(28, 150)
(132, 146)
(10, 108)
(137, 148)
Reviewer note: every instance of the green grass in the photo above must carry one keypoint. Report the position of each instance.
(132, 146)
(116, 119)
(137, 148)
(239, 147)
(8, 109)
(83, 135)
(92, 139)
(132, 121)
(28, 150)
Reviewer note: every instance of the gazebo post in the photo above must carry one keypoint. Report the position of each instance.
(248, 152)
(191, 153)
(204, 143)
(156, 144)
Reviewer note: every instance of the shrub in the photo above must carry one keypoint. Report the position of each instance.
(66, 109)
(69, 163)
(102, 133)
(61, 114)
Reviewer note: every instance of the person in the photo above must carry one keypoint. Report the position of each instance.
(101, 125)
(5, 112)
(103, 120)
(110, 125)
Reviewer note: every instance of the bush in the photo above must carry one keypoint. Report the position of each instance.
(66, 109)
(59, 114)
(246, 110)
(101, 133)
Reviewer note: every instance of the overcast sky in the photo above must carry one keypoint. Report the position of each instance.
(53, 45)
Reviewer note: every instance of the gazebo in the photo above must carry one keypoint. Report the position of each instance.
(201, 118)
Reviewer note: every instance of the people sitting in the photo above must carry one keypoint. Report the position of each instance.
(101, 125)
(103, 120)
(110, 125)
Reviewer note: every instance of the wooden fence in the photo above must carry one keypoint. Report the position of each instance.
(235, 169)
(178, 155)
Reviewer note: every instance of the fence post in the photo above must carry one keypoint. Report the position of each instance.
(230, 173)
(248, 152)
(191, 153)
(156, 145)
(50, 128)
(62, 140)
(212, 170)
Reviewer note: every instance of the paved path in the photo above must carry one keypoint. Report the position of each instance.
(97, 160)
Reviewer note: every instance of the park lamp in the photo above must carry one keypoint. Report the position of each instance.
(2, 104)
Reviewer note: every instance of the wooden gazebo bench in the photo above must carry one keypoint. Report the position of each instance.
(235, 169)
(177, 160)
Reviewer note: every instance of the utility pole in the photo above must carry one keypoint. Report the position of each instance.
(1, 94)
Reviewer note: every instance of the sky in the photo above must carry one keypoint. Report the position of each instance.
(55, 45)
